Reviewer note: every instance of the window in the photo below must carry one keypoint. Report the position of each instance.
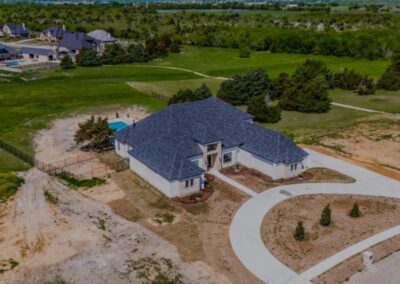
(293, 167)
(227, 158)
(189, 183)
(212, 147)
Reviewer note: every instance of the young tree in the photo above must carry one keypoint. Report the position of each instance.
(66, 62)
(355, 211)
(262, 111)
(325, 216)
(300, 234)
(366, 87)
(88, 57)
(94, 131)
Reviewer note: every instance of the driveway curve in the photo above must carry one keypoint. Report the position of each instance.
(245, 233)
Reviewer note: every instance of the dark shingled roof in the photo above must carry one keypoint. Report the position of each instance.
(38, 51)
(165, 141)
(56, 31)
(77, 40)
(5, 50)
(17, 29)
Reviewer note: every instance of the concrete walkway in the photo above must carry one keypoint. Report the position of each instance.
(232, 182)
(245, 228)
(384, 271)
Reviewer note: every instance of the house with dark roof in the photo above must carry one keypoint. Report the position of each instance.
(15, 30)
(7, 53)
(53, 33)
(76, 42)
(173, 148)
(38, 54)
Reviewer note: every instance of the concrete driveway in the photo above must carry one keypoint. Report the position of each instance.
(245, 228)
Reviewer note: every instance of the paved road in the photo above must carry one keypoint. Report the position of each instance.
(245, 228)
(385, 271)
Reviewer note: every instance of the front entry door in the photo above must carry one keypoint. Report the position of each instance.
(211, 160)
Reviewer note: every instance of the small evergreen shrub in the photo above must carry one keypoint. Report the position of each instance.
(300, 234)
(355, 211)
(325, 220)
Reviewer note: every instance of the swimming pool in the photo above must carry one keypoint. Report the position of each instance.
(12, 63)
(117, 125)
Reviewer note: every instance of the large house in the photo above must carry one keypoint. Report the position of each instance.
(38, 54)
(15, 30)
(174, 148)
(102, 38)
(7, 53)
(76, 42)
(53, 33)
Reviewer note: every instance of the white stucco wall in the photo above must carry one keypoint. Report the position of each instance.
(38, 58)
(275, 171)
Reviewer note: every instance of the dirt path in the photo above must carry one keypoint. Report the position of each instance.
(83, 241)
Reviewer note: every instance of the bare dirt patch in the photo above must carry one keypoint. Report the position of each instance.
(202, 233)
(260, 182)
(279, 224)
(374, 141)
(82, 241)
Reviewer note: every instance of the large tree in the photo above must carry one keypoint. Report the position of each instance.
(262, 111)
(66, 62)
(95, 131)
(115, 54)
(242, 88)
(390, 80)
(308, 89)
(88, 57)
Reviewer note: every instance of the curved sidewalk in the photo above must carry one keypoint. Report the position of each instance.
(245, 228)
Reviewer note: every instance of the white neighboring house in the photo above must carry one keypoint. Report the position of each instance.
(102, 38)
(38, 54)
(15, 30)
(174, 148)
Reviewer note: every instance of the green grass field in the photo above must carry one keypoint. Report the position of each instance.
(226, 62)
(382, 101)
(29, 106)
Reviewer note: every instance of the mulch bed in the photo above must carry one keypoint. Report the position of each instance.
(244, 171)
(197, 197)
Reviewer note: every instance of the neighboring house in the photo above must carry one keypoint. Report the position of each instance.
(53, 33)
(38, 54)
(76, 42)
(102, 38)
(7, 53)
(15, 30)
(174, 148)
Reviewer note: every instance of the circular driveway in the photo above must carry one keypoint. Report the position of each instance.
(245, 235)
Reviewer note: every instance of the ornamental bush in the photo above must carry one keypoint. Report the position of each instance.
(325, 216)
(300, 234)
(355, 211)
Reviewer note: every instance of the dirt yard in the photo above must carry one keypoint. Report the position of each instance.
(201, 234)
(279, 225)
(375, 141)
(260, 182)
(80, 240)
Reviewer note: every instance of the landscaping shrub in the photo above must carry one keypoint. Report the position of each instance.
(300, 234)
(355, 211)
(73, 182)
(9, 184)
(67, 63)
(164, 218)
(348, 80)
(366, 87)
(244, 51)
(325, 216)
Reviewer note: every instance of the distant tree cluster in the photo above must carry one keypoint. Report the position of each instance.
(187, 95)
(350, 80)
